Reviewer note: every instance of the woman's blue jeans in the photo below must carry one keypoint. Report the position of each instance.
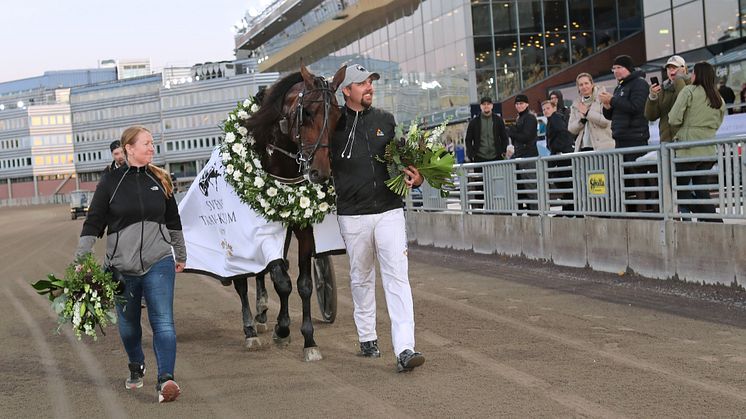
(157, 286)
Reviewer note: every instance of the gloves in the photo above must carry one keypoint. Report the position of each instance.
(85, 245)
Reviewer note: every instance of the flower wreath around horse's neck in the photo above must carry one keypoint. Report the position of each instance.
(298, 204)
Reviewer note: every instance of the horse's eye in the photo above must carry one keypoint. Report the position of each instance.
(306, 114)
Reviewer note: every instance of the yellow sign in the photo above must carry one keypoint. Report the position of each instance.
(597, 183)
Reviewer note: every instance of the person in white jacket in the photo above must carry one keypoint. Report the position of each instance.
(587, 122)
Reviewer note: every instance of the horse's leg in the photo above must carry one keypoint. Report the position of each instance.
(283, 286)
(242, 289)
(261, 304)
(305, 289)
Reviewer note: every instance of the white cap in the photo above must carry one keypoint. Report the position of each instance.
(676, 61)
(355, 73)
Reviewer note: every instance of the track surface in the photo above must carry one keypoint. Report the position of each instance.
(502, 337)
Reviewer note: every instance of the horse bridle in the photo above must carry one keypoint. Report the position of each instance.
(305, 153)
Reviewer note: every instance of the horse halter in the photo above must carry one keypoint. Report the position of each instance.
(306, 152)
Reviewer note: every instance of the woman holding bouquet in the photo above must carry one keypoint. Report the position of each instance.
(136, 206)
(371, 218)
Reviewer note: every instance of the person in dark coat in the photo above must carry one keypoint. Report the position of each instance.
(523, 135)
(486, 138)
(728, 95)
(559, 141)
(625, 108)
(559, 103)
(117, 155)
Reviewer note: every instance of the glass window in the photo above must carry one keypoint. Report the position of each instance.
(555, 18)
(629, 18)
(483, 52)
(721, 23)
(604, 13)
(654, 6)
(658, 36)
(529, 16)
(532, 57)
(581, 45)
(503, 18)
(580, 15)
(688, 26)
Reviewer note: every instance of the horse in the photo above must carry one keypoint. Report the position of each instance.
(292, 130)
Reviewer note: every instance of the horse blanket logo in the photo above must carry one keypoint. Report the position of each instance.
(226, 239)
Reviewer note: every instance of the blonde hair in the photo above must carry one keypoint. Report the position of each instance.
(129, 136)
(548, 102)
(581, 75)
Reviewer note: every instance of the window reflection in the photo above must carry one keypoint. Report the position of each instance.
(688, 26)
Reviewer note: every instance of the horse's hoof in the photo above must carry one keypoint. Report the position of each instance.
(252, 343)
(312, 354)
(281, 342)
(260, 327)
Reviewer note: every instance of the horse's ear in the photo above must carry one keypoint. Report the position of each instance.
(339, 76)
(308, 77)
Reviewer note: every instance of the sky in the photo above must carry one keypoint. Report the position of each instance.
(46, 35)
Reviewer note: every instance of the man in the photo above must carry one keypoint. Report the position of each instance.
(629, 128)
(728, 95)
(523, 134)
(371, 218)
(117, 155)
(556, 97)
(625, 108)
(662, 96)
(486, 139)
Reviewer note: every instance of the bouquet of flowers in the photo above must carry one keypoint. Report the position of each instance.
(423, 150)
(85, 297)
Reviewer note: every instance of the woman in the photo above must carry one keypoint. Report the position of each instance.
(559, 103)
(697, 114)
(587, 122)
(135, 204)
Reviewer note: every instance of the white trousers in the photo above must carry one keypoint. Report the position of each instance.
(383, 237)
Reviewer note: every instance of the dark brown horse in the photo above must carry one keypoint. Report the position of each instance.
(292, 131)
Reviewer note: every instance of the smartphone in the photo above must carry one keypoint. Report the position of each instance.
(654, 80)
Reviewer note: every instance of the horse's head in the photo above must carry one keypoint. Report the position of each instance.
(312, 114)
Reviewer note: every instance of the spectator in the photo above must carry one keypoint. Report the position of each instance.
(728, 95)
(587, 122)
(743, 98)
(559, 141)
(523, 135)
(697, 113)
(117, 155)
(662, 97)
(486, 139)
(559, 102)
(625, 108)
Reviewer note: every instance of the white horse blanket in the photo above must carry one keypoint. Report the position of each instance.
(225, 238)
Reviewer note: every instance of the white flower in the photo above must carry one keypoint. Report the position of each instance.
(238, 148)
(237, 175)
(243, 114)
(230, 137)
(323, 207)
(258, 182)
(272, 192)
(321, 195)
(304, 202)
(229, 169)
(302, 189)
(308, 213)
(248, 167)
(236, 126)
(285, 214)
(254, 108)
(291, 199)
(271, 211)
(247, 103)
(233, 117)
(263, 203)
(243, 131)
(257, 162)
(225, 157)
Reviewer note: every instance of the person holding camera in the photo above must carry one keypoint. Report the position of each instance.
(135, 205)
(662, 96)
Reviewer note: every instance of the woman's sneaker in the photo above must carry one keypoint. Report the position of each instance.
(137, 371)
(167, 388)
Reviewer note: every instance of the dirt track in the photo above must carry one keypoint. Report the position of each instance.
(501, 337)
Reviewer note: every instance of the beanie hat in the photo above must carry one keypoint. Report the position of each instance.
(521, 98)
(114, 145)
(625, 61)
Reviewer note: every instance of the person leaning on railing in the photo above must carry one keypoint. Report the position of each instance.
(587, 121)
(696, 115)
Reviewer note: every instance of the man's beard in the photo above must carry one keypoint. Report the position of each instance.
(366, 102)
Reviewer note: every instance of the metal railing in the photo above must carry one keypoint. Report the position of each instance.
(658, 182)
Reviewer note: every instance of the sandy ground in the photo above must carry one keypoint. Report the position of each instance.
(502, 337)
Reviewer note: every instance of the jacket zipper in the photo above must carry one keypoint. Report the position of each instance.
(372, 167)
(142, 218)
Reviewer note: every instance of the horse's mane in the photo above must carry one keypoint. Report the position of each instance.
(263, 124)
